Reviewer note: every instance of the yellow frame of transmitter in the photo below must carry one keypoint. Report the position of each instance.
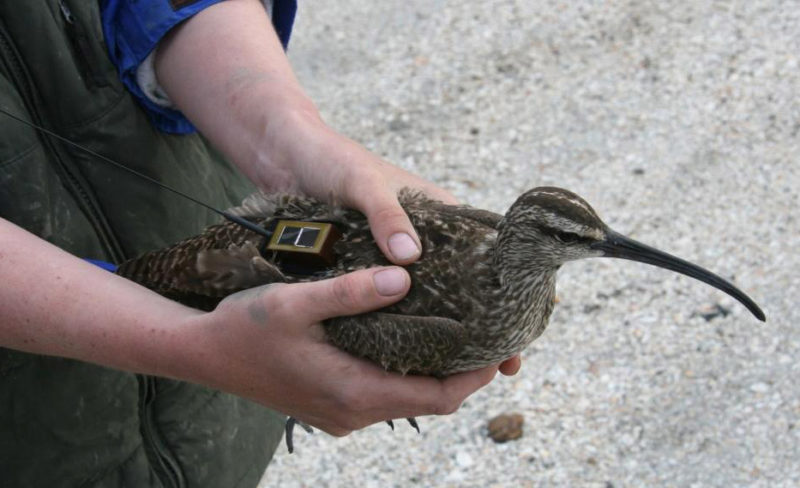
(324, 229)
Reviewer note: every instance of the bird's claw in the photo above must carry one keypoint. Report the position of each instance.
(411, 420)
(290, 423)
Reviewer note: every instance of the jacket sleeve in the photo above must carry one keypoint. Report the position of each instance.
(133, 31)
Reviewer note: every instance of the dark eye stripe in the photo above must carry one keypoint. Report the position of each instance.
(565, 237)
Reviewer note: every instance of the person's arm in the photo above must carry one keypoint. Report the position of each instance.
(265, 344)
(55, 304)
(226, 70)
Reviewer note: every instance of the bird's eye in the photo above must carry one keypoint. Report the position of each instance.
(567, 237)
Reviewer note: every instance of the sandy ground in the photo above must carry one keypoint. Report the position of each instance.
(679, 122)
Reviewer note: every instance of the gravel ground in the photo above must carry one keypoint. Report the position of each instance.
(678, 122)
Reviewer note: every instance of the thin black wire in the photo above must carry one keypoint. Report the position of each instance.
(233, 218)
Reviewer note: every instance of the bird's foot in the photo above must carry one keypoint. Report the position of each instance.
(290, 423)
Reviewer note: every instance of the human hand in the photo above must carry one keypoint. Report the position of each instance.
(310, 158)
(238, 88)
(226, 70)
(267, 344)
(321, 160)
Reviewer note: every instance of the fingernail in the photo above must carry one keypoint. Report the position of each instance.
(390, 281)
(402, 246)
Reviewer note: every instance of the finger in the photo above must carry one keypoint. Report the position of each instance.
(389, 223)
(511, 366)
(350, 294)
(458, 387)
(410, 396)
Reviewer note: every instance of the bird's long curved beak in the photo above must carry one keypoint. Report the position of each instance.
(618, 246)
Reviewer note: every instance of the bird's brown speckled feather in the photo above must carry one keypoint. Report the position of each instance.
(481, 292)
(427, 324)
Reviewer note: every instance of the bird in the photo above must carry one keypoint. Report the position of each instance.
(482, 291)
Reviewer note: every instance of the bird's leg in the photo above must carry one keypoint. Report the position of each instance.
(290, 423)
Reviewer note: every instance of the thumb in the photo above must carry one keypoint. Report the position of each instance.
(351, 294)
(389, 224)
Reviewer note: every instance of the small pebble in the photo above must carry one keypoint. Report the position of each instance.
(506, 427)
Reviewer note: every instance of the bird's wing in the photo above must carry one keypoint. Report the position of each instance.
(415, 199)
(200, 275)
(285, 206)
(402, 343)
(221, 272)
(485, 217)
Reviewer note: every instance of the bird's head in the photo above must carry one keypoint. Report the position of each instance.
(549, 226)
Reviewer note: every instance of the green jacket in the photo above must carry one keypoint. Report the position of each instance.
(67, 423)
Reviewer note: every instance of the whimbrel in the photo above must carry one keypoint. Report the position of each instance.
(483, 289)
